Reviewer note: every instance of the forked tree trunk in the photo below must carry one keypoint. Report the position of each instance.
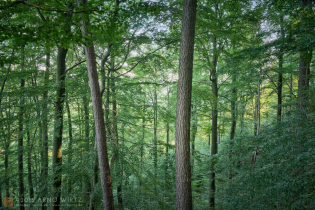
(183, 108)
(98, 116)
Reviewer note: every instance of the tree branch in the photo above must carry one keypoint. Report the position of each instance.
(75, 65)
(145, 57)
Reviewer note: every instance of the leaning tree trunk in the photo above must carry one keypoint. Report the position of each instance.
(98, 116)
(183, 108)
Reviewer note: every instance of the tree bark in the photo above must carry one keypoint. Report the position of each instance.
(98, 116)
(183, 108)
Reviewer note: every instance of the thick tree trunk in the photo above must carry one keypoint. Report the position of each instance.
(183, 108)
(98, 117)
(58, 128)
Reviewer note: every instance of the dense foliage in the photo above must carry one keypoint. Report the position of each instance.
(257, 55)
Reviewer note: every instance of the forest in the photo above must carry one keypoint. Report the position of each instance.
(157, 104)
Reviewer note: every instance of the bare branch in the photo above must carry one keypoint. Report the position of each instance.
(75, 65)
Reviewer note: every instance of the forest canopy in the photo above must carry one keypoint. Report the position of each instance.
(157, 104)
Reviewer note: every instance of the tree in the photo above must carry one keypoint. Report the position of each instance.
(183, 108)
(305, 54)
(98, 113)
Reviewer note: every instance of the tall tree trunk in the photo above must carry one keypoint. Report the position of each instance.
(98, 116)
(58, 128)
(280, 77)
(20, 139)
(183, 108)
(102, 90)
(214, 123)
(58, 124)
(44, 163)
